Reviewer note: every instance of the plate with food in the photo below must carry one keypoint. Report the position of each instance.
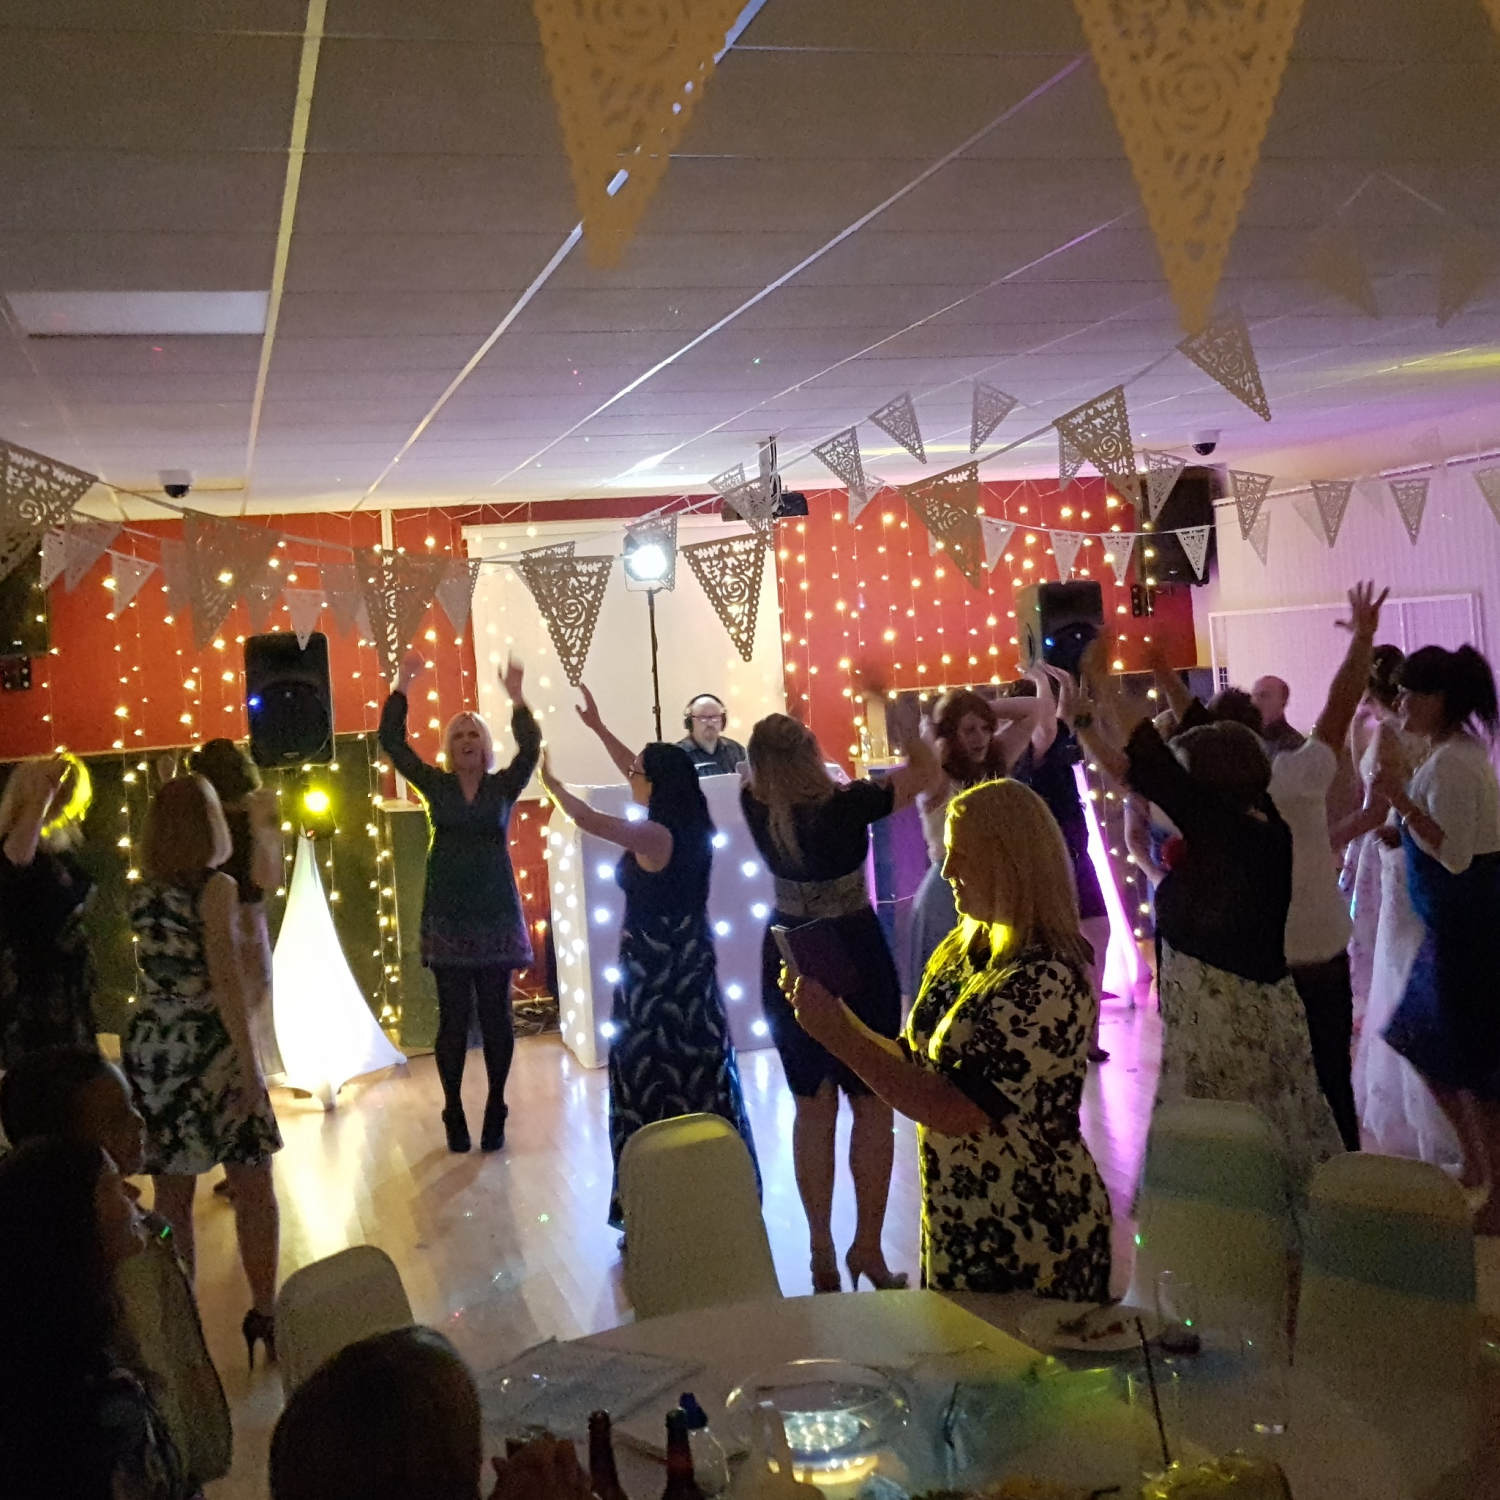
(1096, 1329)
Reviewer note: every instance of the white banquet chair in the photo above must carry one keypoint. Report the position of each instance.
(335, 1302)
(1214, 1208)
(1387, 1316)
(693, 1230)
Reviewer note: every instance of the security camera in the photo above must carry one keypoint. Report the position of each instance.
(176, 482)
(1206, 441)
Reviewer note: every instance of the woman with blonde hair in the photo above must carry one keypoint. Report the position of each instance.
(814, 836)
(188, 1052)
(46, 971)
(992, 1063)
(473, 930)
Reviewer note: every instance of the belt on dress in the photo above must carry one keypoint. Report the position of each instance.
(823, 898)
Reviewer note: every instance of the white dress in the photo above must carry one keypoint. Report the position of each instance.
(1362, 866)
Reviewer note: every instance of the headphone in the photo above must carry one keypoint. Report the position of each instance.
(687, 712)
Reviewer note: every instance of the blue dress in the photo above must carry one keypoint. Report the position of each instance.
(671, 1054)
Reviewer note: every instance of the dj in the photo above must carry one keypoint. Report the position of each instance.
(713, 753)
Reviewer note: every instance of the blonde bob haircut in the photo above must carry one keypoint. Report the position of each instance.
(186, 834)
(1018, 877)
(786, 772)
(485, 738)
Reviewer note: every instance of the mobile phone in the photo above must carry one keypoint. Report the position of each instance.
(783, 942)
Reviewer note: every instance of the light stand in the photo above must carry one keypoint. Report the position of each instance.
(650, 560)
(655, 676)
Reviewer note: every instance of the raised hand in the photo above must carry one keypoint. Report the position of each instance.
(588, 710)
(511, 678)
(413, 664)
(1364, 610)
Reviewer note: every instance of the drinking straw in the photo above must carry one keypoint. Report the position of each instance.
(1161, 1427)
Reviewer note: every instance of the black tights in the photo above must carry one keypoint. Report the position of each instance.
(459, 992)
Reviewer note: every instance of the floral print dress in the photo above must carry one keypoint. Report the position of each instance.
(199, 1106)
(1020, 1206)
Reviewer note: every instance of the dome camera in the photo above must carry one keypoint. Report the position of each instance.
(1206, 441)
(176, 482)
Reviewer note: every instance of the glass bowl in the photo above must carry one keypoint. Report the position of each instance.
(837, 1416)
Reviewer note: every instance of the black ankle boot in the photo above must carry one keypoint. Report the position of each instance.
(492, 1133)
(457, 1128)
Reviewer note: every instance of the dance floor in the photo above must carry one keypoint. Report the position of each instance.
(501, 1251)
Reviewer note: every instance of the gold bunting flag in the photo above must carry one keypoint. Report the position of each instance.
(991, 407)
(1100, 431)
(223, 559)
(455, 590)
(1191, 84)
(568, 591)
(947, 504)
(1410, 496)
(1332, 497)
(1163, 470)
(1260, 536)
(397, 590)
(1249, 491)
(36, 494)
(1468, 262)
(626, 80)
(1334, 262)
(1223, 350)
(730, 571)
(898, 419)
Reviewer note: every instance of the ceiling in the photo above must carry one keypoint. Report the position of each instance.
(874, 196)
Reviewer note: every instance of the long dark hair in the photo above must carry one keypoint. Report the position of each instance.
(58, 1320)
(226, 768)
(677, 800)
(1384, 681)
(1464, 681)
(947, 714)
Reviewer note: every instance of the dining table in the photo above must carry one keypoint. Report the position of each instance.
(1096, 1431)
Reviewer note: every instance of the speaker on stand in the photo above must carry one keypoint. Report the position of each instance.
(289, 700)
(1056, 622)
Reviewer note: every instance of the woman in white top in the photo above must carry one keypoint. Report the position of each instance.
(1447, 1024)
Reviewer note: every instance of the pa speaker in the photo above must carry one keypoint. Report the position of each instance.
(288, 699)
(1056, 622)
(25, 621)
(1191, 503)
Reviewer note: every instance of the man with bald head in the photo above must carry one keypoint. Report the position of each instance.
(1270, 695)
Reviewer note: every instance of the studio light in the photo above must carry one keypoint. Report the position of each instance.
(319, 820)
(647, 563)
(316, 802)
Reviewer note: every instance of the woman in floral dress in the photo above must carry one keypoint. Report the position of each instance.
(992, 1063)
(188, 1051)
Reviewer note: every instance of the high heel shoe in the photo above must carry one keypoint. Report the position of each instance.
(880, 1278)
(259, 1327)
(825, 1272)
(492, 1132)
(457, 1128)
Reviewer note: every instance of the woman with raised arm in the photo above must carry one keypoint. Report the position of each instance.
(473, 930)
(814, 835)
(670, 1053)
(1446, 1025)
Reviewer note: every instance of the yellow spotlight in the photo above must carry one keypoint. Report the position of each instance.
(315, 801)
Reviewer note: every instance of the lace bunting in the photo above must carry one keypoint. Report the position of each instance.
(947, 504)
(568, 591)
(1332, 497)
(36, 494)
(1249, 491)
(84, 543)
(1163, 470)
(730, 571)
(54, 559)
(1334, 262)
(345, 599)
(991, 407)
(1069, 460)
(455, 590)
(1066, 546)
(1410, 496)
(1194, 543)
(1260, 536)
(995, 536)
(1100, 431)
(260, 604)
(397, 590)
(129, 573)
(898, 419)
(840, 455)
(223, 559)
(1223, 350)
(1119, 547)
(304, 606)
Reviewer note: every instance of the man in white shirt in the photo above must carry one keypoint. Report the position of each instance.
(1318, 925)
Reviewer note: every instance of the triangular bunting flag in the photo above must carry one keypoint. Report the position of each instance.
(722, 485)
(455, 590)
(85, 542)
(175, 572)
(1069, 460)
(995, 536)
(36, 495)
(1191, 84)
(260, 602)
(1468, 262)
(129, 573)
(991, 407)
(1249, 491)
(1194, 541)
(1223, 350)
(729, 571)
(1260, 535)
(1307, 509)
(1118, 548)
(898, 419)
(1100, 431)
(1163, 470)
(345, 599)
(1488, 481)
(569, 591)
(54, 558)
(947, 504)
(1334, 262)
(626, 85)
(1065, 548)
(658, 531)
(224, 558)
(1332, 497)
(840, 455)
(549, 549)
(397, 590)
(1411, 500)
(859, 500)
(304, 606)
(754, 501)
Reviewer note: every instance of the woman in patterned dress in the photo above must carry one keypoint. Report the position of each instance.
(670, 1054)
(188, 1051)
(992, 1063)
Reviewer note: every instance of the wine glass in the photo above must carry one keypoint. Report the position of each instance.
(1177, 1307)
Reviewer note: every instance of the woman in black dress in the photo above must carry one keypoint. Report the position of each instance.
(46, 971)
(814, 835)
(670, 1054)
(473, 931)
